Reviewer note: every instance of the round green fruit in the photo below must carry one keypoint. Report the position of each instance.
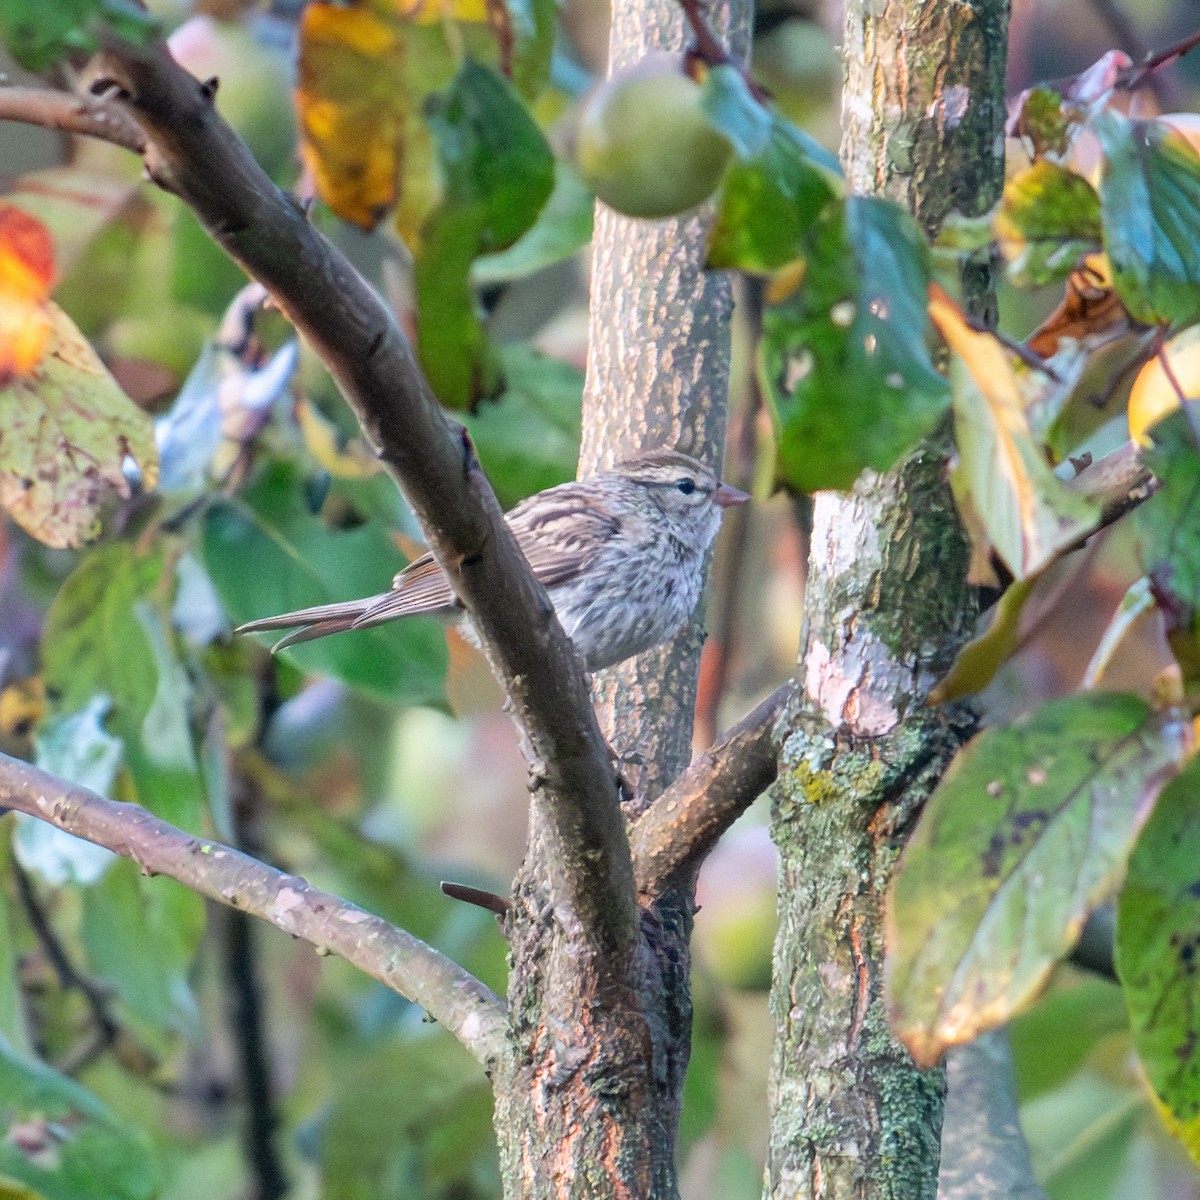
(644, 143)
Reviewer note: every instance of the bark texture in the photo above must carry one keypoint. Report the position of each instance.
(590, 1103)
(887, 608)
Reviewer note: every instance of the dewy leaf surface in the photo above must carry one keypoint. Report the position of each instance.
(1150, 204)
(844, 361)
(1027, 511)
(1158, 952)
(67, 428)
(1028, 830)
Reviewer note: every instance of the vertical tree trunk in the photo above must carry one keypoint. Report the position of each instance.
(588, 1101)
(887, 608)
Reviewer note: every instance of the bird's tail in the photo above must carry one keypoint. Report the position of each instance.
(321, 620)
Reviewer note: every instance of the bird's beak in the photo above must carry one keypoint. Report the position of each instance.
(725, 495)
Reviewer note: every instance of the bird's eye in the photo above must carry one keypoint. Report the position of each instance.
(686, 485)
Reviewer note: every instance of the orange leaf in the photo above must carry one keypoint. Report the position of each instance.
(27, 275)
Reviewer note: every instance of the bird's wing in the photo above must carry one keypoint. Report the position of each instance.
(557, 531)
(560, 538)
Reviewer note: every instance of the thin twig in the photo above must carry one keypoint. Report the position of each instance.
(106, 1026)
(468, 1009)
(1131, 78)
(684, 823)
(707, 47)
(476, 896)
(1031, 358)
(247, 1021)
(729, 583)
(1185, 403)
(89, 116)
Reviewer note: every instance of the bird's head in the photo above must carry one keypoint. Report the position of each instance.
(685, 489)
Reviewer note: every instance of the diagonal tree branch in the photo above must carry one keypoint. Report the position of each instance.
(91, 116)
(451, 995)
(679, 829)
(189, 150)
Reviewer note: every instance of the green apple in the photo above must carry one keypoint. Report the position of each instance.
(644, 143)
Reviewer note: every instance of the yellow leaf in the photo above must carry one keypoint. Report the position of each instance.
(1027, 511)
(1154, 391)
(344, 458)
(68, 428)
(365, 71)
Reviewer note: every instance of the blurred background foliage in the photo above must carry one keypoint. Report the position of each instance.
(221, 1059)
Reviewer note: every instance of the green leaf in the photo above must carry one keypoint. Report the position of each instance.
(58, 1142)
(14, 1029)
(1048, 219)
(844, 362)
(1150, 204)
(978, 661)
(108, 632)
(1045, 122)
(768, 203)
(1081, 1137)
(734, 110)
(140, 936)
(1076, 1016)
(266, 553)
(563, 227)
(38, 33)
(528, 439)
(79, 749)
(1158, 951)
(68, 431)
(1169, 522)
(1002, 474)
(429, 1122)
(1028, 830)
(497, 172)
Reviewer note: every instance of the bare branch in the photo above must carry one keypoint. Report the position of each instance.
(684, 823)
(404, 963)
(190, 151)
(91, 116)
(1118, 483)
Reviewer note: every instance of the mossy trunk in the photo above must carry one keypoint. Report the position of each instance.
(887, 609)
(588, 1097)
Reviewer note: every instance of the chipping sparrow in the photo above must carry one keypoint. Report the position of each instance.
(620, 555)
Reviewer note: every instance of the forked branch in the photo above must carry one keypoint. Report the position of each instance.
(684, 823)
